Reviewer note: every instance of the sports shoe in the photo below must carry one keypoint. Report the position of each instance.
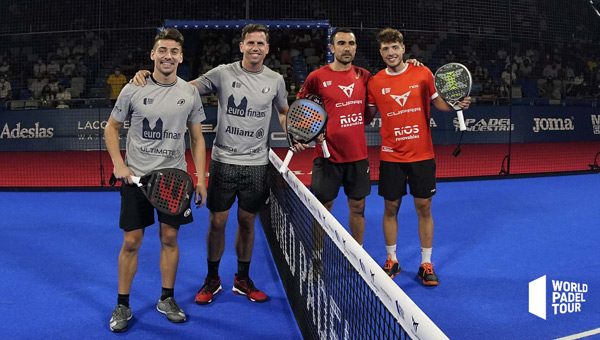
(391, 267)
(211, 288)
(120, 316)
(170, 308)
(246, 287)
(427, 275)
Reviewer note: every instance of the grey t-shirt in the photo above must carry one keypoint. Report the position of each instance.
(246, 102)
(159, 115)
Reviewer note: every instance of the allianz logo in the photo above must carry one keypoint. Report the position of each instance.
(553, 124)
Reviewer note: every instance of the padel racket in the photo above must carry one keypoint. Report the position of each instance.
(168, 190)
(306, 120)
(453, 82)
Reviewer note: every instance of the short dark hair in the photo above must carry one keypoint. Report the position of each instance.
(389, 35)
(171, 34)
(340, 30)
(251, 28)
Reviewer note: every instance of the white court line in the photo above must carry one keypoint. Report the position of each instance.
(581, 335)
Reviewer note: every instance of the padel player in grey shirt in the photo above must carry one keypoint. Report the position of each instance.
(248, 91)
(159, 114)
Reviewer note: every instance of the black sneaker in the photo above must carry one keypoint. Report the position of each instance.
(246, 287)
(118, 322)
(211, 288)
(427, 275)
(391, 267)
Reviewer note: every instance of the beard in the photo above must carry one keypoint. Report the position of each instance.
(345, 61)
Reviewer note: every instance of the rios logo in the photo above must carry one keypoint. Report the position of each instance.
(553, 124)
(34, 132)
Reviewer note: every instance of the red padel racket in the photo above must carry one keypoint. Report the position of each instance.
(168, 190)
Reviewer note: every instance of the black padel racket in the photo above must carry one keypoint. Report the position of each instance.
(168, 190)
(453, 82)
(306, 120)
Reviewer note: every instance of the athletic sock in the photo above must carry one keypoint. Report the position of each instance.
(243, 269)
(123, 299)
(213, 269)
(426, 255)
(391, 251)
(166, 293)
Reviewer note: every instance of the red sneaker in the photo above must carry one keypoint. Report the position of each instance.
(211, 288)
(246, 287)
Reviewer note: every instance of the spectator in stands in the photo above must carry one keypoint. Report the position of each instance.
(47, 97)
(37, 85)
(115, 83)
(63, 94)
(502, 55)
(473, 60)
(39, 68)
(78, 50)
(5, 67)
(53, 83)
(68, 67)
(128, 65)
(546, 89)
(293, 89)
(273, 63)
(450, 57)
(53, 67)
(508, 76)
(488, 87)
(550, 71)
(526, 68)
(82, 69)
(62, 52)
(5, 89)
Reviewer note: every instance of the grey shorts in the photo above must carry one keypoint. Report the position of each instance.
(246, 182)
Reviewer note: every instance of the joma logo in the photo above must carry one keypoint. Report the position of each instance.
(553, 124)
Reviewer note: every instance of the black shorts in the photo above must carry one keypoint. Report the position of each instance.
(138, 213)
(247, 182)
(394, 176)
(327, 177)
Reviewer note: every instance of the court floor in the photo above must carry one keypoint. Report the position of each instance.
(58, 253)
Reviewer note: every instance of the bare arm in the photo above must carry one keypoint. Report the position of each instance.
(371, 111)
(140, 78)
(198, 149)
(111, 138)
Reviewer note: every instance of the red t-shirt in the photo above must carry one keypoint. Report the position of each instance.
(403, 101)
(344, 95)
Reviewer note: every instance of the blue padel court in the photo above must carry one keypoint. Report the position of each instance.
(58, 264)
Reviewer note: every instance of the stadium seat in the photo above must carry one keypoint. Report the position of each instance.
(32, 104)
(529, 87)
(17, 105)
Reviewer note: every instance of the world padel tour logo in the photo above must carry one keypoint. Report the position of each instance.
(566, 297)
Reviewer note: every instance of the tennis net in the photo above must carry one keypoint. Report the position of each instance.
(335, 289)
